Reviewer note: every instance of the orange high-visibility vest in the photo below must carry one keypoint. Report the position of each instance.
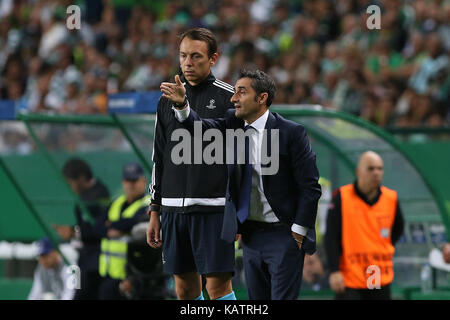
(366, 238)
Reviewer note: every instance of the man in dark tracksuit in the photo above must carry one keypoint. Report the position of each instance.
(95, 196)
(191, 196)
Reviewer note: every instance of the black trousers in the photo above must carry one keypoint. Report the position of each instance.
(384, 293)
(90, 283)
(273, 263)
(109, 289)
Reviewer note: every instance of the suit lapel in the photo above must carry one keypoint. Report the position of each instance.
(234, 169)
(271, 122)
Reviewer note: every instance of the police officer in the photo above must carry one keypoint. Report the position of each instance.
(125, 212)
(191, 196)
(363, 224)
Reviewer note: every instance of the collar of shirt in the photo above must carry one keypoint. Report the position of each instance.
(364, 197)
(260, 123)
(256, 146)
(210, 78)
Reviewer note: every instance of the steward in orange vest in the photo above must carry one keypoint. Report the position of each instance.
(360, 235)
(363, 224)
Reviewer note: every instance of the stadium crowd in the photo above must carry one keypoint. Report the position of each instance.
(319, 52)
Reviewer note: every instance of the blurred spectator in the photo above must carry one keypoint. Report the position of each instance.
(64, 72)
(420, 109)
(14, 139)
(51, 277)
(382, 62)
(384, 111)
(436, 62)
(319, 52)
(54, 32)
(369, 107)
(145, 77)
(349, 94)
(12, 81)
(72, 102)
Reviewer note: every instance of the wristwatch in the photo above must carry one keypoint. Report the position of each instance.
(181, 105)
(154, 207)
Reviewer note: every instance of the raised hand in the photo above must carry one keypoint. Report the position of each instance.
(175, 92)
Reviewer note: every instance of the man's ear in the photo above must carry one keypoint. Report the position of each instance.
(213, 59)
(263, 98)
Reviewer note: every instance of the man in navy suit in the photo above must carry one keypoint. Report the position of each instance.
(274, 211)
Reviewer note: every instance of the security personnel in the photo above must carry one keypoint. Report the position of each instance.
(126, 211)
(363, 224)
(190, 196)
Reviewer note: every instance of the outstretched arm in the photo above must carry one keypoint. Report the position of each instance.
(189, 117)
(176, 93)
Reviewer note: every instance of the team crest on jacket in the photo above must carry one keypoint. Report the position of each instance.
(211, 104)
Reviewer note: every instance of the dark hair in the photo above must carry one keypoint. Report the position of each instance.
(261, 82)
(75, 168)
(201, 34)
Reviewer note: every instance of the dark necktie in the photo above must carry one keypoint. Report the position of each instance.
(246, 184)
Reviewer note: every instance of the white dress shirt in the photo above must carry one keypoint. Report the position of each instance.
(260, 209)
